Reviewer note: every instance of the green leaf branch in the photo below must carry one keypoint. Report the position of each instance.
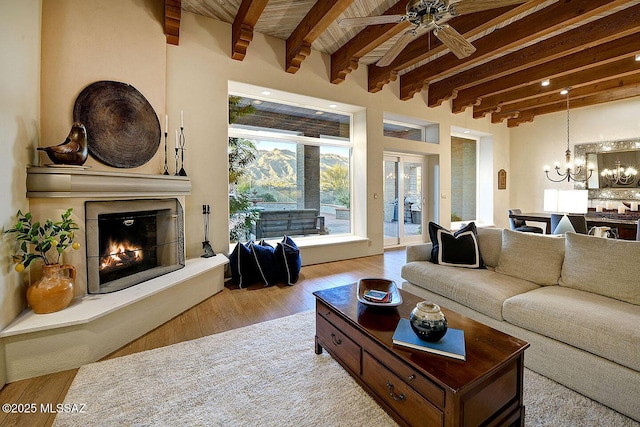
(46, 241)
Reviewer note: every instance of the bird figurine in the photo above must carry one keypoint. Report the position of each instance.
(74, 149)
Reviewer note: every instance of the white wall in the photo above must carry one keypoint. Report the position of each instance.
(544, 141)
(19, 127)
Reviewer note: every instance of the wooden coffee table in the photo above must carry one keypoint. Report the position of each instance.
(418, 388)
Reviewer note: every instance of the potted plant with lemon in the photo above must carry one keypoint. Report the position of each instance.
(46, 241)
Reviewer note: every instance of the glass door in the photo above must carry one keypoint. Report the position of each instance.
(403, 199)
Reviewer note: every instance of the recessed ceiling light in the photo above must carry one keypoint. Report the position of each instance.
(266, 92)
(257, 102)
(333, 106)
(319, 113)
(564, 91)
(545, 82)
(467, 131)
(638, 57)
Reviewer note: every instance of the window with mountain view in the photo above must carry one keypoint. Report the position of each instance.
(289, 170)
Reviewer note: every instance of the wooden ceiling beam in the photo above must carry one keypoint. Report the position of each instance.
(500, 102)
(428, 45)
(321, 15)
(585, 59)
(345, 59)
(172, 16)
(538, 24)
(608, 96)
(576, 93)
(243, 24)
(617, 25)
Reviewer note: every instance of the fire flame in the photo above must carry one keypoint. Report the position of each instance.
(119, 254)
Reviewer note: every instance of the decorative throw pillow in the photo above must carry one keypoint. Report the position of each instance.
(265, 258)
(459, 249)
(607, 267)
(534, 257)
(244, 270)
(288, 260)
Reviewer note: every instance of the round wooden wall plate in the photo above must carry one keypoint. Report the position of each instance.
(122, 128)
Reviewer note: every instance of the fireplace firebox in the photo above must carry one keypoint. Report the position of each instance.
(131, 241)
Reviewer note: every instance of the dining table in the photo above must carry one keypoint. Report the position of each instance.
(627, 226)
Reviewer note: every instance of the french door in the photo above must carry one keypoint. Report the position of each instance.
(403, 199)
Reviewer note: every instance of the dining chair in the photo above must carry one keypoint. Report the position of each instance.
(561, 223)
(520, 224)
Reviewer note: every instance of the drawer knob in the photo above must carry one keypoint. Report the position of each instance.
(397, 397)
(411, 377)
(336, 340)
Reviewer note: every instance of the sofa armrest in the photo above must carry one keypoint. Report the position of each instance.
(419, 252)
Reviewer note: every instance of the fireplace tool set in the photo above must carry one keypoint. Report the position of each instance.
(208, 250)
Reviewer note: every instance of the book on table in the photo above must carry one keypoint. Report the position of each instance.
(451, 345)
(377, 296)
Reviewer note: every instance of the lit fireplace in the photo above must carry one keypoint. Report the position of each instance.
(120, 255)
(132, 241)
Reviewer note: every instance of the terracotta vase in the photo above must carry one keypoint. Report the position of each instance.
(54, 290)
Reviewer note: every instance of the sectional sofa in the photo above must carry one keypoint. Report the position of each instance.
(574, 298)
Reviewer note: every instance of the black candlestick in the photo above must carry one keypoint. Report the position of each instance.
(166, 166)
(183, 141)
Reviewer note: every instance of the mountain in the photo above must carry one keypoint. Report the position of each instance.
(277, 168)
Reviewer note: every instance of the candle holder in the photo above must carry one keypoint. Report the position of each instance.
(176, 157)
(166, 166)
(182, 142)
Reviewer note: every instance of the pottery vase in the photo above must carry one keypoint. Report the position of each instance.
(428, 322)
(54, 290)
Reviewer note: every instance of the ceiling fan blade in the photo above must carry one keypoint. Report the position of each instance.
(464, 7)
(369, 20)
(456, 43)
(395, 50)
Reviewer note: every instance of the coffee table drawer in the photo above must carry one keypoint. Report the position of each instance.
(420, 383)
(338, 344)
(404, 400)
(338, 322)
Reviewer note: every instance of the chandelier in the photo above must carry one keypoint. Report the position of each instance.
(569, 172)
(619, 175)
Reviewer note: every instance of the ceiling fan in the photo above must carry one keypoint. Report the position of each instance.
(427, 15)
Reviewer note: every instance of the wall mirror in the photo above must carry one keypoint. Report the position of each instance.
(605, 155)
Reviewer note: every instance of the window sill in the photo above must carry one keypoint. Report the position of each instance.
(315, 241)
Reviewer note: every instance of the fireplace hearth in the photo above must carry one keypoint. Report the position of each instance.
(132, 241)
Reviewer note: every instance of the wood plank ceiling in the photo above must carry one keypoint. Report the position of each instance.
(589, 46)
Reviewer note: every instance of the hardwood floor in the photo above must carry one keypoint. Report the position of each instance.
(232, 308)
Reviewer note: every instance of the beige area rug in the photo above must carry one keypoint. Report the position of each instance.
(266, 374)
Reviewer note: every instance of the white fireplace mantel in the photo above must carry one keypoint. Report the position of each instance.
(85, 183)
(96, 325)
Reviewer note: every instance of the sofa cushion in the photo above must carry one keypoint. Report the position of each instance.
(482, 290)
(594, 323)
(607, 267)
(459, 249)
(534, 257)
(490, 242)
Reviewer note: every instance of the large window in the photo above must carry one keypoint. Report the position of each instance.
(464, 161)
(290, 170)
(472, 177)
